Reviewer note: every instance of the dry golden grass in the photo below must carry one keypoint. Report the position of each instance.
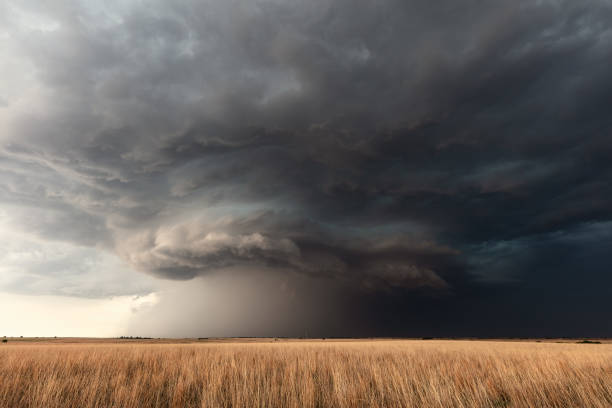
(307, 374)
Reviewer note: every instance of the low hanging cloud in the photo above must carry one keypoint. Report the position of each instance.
(192, 249)
(394, 145)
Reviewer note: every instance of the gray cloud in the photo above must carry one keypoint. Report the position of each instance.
(386, 145)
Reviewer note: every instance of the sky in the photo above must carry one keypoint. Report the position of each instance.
(306, 168)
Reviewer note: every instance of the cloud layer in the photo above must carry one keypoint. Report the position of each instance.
(400, 149)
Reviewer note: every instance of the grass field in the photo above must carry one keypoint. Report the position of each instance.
(400, 373)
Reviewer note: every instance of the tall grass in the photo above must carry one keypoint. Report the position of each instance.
(307, 374)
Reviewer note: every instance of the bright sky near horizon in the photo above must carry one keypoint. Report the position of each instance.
(68, 316)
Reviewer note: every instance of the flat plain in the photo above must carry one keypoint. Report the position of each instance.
(308, 373)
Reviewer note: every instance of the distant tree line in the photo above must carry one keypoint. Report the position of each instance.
(135, 338)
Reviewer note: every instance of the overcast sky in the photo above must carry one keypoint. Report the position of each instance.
(320, 168)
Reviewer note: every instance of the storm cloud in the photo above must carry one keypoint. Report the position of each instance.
(442, 166)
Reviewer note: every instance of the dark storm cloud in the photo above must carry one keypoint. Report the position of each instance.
(398, 147)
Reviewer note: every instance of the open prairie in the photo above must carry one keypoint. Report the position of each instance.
(390, 373)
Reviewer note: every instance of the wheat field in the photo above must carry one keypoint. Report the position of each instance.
(404, 373)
